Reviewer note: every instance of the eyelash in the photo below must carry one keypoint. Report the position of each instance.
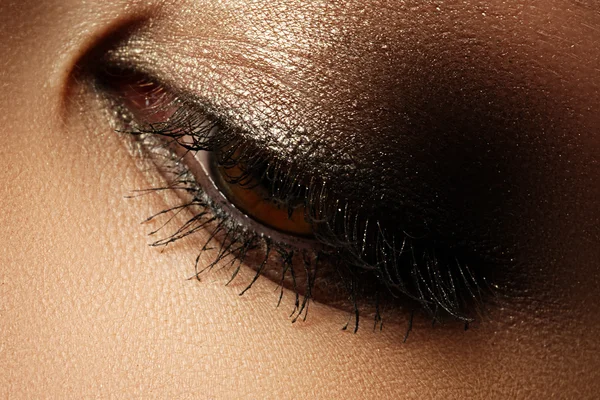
(435, 284)
(237, 239)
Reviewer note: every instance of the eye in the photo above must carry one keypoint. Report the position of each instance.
(272, 212)
(255, 191)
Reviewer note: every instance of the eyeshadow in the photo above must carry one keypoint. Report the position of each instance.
(431, 143)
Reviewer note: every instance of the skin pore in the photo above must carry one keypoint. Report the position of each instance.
(87, 308)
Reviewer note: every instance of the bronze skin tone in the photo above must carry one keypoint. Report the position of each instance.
(474, 120)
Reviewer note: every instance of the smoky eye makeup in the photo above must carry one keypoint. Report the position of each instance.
(283, 204)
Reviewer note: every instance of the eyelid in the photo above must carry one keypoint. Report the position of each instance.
(421, 272)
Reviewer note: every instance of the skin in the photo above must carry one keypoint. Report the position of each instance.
(88, 309)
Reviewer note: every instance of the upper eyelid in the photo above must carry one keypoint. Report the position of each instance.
(202, 106)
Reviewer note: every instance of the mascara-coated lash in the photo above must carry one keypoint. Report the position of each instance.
(360, 255)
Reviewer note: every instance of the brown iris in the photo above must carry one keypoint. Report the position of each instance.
(253, 196)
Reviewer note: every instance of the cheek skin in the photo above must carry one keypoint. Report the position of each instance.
(87, 308)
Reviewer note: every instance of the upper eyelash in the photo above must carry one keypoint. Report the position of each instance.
(434, 287)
